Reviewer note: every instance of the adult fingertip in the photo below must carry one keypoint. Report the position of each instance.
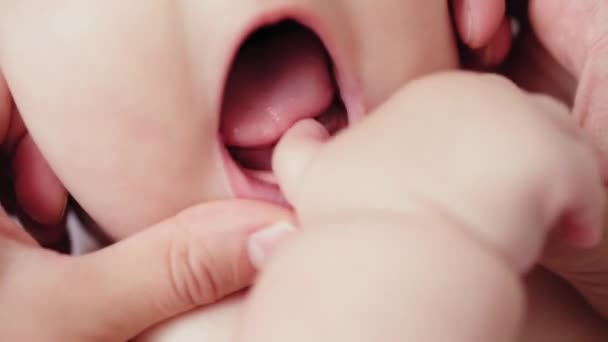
(462, 16)
(478, 21)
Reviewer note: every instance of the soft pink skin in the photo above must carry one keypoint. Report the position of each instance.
(470, 184)
(124, 97)
(190, 260)
(563, 54)
(526, 149)
(123, 86)
(580, 45)
(139, 89)
(574, 35)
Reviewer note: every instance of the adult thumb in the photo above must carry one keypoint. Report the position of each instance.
(477, 21)
(193, 259)
(294, 152)
(591, 104)
(580, 44)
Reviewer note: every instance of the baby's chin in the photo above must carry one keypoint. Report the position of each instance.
(215, 323)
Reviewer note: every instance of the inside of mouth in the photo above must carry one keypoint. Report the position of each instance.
(281, 74)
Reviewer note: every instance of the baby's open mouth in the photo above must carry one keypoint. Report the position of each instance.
(280, 75)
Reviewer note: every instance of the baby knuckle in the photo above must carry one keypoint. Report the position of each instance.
(473, 96)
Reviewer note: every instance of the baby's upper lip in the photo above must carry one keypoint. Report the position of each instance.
(280, 75)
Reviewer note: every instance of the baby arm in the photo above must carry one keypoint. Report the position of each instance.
(419, 222)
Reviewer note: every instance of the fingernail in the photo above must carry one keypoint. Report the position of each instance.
(262, 244)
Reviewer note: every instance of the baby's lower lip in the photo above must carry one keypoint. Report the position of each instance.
(250, 184)
(264, 176)
(253, 158)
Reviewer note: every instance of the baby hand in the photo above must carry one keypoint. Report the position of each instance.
(474, 152)
(419, 221)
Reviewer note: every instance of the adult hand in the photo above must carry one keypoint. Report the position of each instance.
(562, 51)
(193, 259)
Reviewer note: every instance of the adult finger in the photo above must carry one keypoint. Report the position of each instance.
(477, 21)
(194, 259)
(579, 44)
(494, 52)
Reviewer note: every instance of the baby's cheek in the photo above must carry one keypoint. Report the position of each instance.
(112, 110)
(151, 184)
(422, 42)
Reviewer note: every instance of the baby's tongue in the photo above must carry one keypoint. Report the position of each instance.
(278, 78)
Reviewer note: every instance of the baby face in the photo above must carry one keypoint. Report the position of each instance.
(145, 107)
